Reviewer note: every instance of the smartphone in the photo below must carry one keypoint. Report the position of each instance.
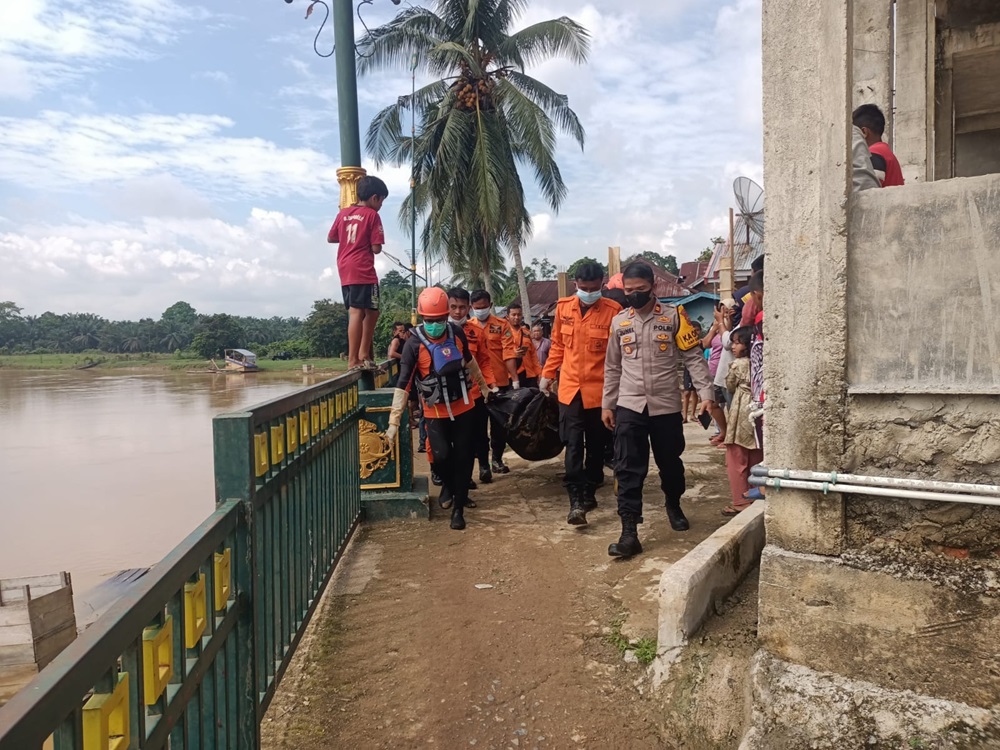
(706, 419)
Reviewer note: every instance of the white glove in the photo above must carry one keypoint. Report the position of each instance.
(545, 385)
(391, 431)
(516, 384)
(399, 401)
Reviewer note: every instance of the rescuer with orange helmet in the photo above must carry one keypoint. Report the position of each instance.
(438, 362)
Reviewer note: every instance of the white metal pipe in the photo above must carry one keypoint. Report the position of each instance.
(856, 489)
(991, 490)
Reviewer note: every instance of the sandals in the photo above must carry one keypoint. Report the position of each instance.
(731, 510)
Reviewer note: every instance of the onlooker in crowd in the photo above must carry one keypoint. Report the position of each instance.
(580, 333)
(437, 361)
(499, 343)
(712, 342)
(689, 396)
(525, 369)
(459, 303)
(358, 231)
(863, 175)
(400, 333)
(722, 393)
(870, 120)
(648, 342)
(741, 442)
(541, 341)
(743, 293)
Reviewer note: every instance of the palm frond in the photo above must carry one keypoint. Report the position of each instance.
(560, 37)
(556, 105)
(406, 39)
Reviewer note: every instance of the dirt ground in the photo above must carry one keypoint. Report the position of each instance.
(501, 636)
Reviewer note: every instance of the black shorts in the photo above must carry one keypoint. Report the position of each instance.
(688, 385)
(360, 296)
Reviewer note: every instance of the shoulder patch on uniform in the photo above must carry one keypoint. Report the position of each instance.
(624, 323)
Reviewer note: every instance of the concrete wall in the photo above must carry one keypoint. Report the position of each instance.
(877, 618)
(924, 280)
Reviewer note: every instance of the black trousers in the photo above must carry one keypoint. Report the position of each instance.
(481, 436)
(453, 452)
(585, 438)
(498, 433)
(634, 433)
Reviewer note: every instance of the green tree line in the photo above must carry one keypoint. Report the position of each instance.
(179, 329)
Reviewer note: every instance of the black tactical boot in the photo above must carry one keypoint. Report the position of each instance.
(577, 514)
(589, 499)
(436, 480)
(628, 543)
(499, 467)
(678, 521)
(445, 498)
(485, 474)
(473, 485)
(457, 518)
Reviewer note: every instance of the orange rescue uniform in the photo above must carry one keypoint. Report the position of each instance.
(474, 333)
(499, 344)
(579, 344)
(530, 368)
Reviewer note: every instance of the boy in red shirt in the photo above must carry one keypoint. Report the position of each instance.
(358, 231)
(870, 119)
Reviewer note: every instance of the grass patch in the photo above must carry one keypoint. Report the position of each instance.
(644, 648)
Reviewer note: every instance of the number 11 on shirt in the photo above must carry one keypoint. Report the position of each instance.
(352, 232)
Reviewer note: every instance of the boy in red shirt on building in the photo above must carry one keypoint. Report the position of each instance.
(358, 231)
(870, 119)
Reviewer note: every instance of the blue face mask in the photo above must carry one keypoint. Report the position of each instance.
(434, 330)
(588, 298)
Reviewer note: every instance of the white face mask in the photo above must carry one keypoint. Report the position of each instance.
(460, 321)
(588, 298)
(481, 314)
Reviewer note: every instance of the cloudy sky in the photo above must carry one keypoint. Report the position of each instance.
(161, 150)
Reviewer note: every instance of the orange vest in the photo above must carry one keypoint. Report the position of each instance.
(579, 344)
(499, 344)
(529, 362)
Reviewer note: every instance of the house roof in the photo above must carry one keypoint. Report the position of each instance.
(697, 295)
(743, 255)
(543, 295)
(692, 273)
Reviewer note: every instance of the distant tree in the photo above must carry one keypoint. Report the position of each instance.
(706, 255)
(173, 340)
(393, 282)
(215, 333)
(667, 262)
(571, 271)
(180, 316)
(326, 328)
(13, 328)
(541, 269)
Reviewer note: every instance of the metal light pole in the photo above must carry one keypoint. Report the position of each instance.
(413, 195)
(347, 102)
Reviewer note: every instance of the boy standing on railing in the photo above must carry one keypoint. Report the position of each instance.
(358, 231)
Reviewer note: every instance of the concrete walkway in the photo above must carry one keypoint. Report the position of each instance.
(509, 634)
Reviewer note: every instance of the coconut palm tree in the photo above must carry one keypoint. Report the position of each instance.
(479, 120)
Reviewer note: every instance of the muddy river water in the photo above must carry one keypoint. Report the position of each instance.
(102, 471)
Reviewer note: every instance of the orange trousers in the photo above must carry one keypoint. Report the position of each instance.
(738, 463)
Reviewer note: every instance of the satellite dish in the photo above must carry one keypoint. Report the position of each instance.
(750, 199)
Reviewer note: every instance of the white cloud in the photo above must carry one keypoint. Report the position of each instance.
(268, 264)
(57, 150)
(45, 44)
(216, 76)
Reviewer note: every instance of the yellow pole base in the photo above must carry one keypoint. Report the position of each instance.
(348, 178)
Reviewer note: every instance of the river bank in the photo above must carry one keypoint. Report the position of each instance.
(147, 362)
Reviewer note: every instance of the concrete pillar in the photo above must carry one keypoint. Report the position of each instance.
(807, 100)
(873, 52)
(913, 129)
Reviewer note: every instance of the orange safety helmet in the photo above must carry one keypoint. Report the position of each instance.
(432, 303)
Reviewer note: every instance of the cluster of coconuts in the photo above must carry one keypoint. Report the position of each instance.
(471, 92)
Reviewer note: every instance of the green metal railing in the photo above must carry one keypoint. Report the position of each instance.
(193, 655)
